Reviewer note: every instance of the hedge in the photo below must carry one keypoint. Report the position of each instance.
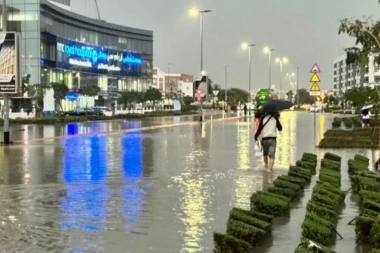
(299, 175)
(245, 232)
(307, 165)
(318, 232)
(371, 205)
(330, 164)
(255, 214)
(363, 228)
(375, 251)
(284, 192)
(322, 212)
(356, 138)
(375, 233)
(241, 216)
(347, 122)
(309, 157)
(365, 212)
(274, 195)
(362, 159)
(318, 220)
(308, 246)
(229, 244)
(364, 183)
(293, 180)
(325, 200)
(329, 179)
(329, 172)
(269, 204)
(301, 171)
(355, 167)
(337, 122)
(333, 157)
(336, 197)
(331, 188)
(374, 196)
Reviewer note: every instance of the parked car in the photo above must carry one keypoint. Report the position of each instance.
(315, 108)
(101, 109)
(83, 112)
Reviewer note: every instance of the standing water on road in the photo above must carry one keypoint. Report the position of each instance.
(160, 190)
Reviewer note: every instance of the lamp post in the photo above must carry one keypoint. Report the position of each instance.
(281, 61)
(290, 76)
(249, 46)
(269, 51)
(298, 89)
(194, 12)
(225, 87)
(7, 140)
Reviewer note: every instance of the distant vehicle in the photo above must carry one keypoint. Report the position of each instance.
(83, 112)
(315, 108)
(263, 96)
(101, 109)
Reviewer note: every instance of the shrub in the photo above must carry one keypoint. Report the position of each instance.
(305, 245)
(333, 157)
(332, 180)
(319, 198)
(369, 213)
(329, 172)
(355, 167)
(229, 244)
(362, 159)
(375, 232)
(240, 216)
(318, 232)
(318, 220)
(337, 122)
(309, 157)
(293, 180)
(336, 197)
(371, 205)
(255, 214)
(274, 195)
(283, 191)
(368, 174)
(331, 188)
(363, 228)
(285, 184)
(322, 212)
(299, 175)
(330, 164)
(347, 122)
(374, 196)
(269, 205)
(307, 165)
(300, 170)
(375, 251)
(245, 232)
(364, 183)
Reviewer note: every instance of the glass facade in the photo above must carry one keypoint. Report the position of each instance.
(65, 2)
(44, 26)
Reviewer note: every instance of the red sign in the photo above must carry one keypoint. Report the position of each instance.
(315, 69)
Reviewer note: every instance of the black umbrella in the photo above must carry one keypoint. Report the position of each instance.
(274, 106)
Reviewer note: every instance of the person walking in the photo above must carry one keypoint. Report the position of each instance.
(245, 110)
(268, 126)
(366, 118)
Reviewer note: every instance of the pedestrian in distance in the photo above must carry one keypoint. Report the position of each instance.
(245, 110)
(366, 118)
(268, 126)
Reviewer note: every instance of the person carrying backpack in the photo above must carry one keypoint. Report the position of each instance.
(268, 126)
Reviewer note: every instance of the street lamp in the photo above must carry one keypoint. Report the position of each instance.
(195, 12)
(269, 51)
(248, 46)
(225, 88)
(290, 75)
(281, 61)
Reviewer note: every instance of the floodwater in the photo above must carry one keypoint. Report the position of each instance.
(142, 186)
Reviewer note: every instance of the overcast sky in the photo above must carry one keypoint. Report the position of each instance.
(305, 31)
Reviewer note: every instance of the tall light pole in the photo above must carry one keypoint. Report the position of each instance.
(249, 46)
(194, 12)
(281, 61)
(298, 88)
(269, 51)
(290, 76)
(225, 87)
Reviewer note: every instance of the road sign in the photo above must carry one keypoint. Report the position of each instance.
(315, 90)
(315, 69)
(199, 91)
(216, 92)
(315, 78)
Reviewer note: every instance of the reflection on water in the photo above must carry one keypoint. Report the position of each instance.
(322, 122)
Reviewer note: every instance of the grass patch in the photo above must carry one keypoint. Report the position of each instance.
(325, 200)
(322, 212)
(330, 164)
(355, 138)
(229, 244)
(333, 157)
(283, 192)
(331, 180)
(293, 180)
(362, 159)
(255, 214)
(307, 165)
(318, 232)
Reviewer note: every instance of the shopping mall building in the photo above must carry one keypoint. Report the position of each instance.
(59, 45)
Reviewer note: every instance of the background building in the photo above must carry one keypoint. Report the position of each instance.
(349, 76)
(59, 45)
(173, 84)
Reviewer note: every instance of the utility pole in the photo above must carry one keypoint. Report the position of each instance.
(7, 139)
(225, 89)
(97, 8)
(298, 89)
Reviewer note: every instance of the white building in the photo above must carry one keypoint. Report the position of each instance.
(172, 84)
(349, 76)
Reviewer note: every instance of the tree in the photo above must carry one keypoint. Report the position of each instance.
(304, 97)
(90, 90)
(290, 95)
(234, 96)
(153, 94)
(188, 100)
(25, 83)
(128, 97)
(60, 91)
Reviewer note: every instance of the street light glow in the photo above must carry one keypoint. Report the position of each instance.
(193, 12)
(267, 50)
(283, 60)
(203, 73)
(244, 45)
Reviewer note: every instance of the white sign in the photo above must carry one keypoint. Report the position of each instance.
(315, 93)
(216, 92)
(9, 67)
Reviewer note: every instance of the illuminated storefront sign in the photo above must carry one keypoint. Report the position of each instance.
(72, 55)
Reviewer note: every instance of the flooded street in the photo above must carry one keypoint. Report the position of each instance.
(103, 187)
